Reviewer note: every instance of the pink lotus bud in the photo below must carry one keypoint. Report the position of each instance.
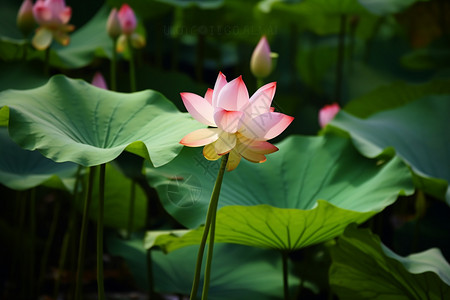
(327, 113)
(261, 61)
(25, 18)
(127, 19)
(99, 81)
(113, 24)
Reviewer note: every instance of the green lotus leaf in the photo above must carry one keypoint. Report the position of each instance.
(395, 95)
(263, 203)
(117, 201)
(417, 131)
(385, 7)
(71, 120)
(234, 266)
(22, 169)
(363, 268)
(204, 4)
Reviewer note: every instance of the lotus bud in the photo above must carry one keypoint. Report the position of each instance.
(25, 18)
(137, 40)
(327, 113)
(99, 81)
(113, 26)
(261, 60)
(127, 19)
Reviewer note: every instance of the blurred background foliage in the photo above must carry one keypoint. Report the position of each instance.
(368, 56)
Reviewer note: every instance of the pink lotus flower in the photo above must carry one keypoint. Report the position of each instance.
(127, 19)
(261, 61)
(327, 113)
(25, 18)
(99, 81)
(113, 26)
(239, 125)
(52, 16)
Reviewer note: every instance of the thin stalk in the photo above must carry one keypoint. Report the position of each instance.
(83, 234)
(284, 256)
(101, 201)
(259, 82)
(47, 62)
(132, 67)
(131, 208)
(49, 242)
(209, 217)
(200, 56)
(32, 200)
(340, 60)
(151, 285)
(114, 66)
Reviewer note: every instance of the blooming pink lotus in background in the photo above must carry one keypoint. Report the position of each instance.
(327, 113)
(127, 19)
(239, 125)
(52, 17)
(99, 81)
(25, 18)
(261, 60)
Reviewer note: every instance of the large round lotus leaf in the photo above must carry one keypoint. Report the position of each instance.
(23, 169)
(275, 204)
(363, 268)
(419, 133)
(71, 120)
(238, 272)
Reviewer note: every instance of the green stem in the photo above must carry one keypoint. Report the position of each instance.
(340, 60)
(32, 201)
(49, 242)
(114, 66)
(151, 284)
(47, 62)
(131, 208)
(83, 234)
(101, 201)
(132, 67)
(259, 82)
(209, 217)
(284, 256)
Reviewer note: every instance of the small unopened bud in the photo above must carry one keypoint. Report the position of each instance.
(99, 81)
(113, 24)
(261, 61)
(137, 40)
(327, 113)
(25, 18)
(127, 19)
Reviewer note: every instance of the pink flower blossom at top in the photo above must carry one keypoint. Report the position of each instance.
(53, 17)
(261, 60)
(239, 125)
(327, 113)
(127, 19)
(99, 81)
(25, 18)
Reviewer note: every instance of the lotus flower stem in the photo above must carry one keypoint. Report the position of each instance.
(259, 82)
(132, 67)
(284, 256)
(101, 201)
(32, 200)
(47, 62)
(131, 208)
(49, 242)
(114, 66)
(340, 60)
(210, 216)
(83, 234)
